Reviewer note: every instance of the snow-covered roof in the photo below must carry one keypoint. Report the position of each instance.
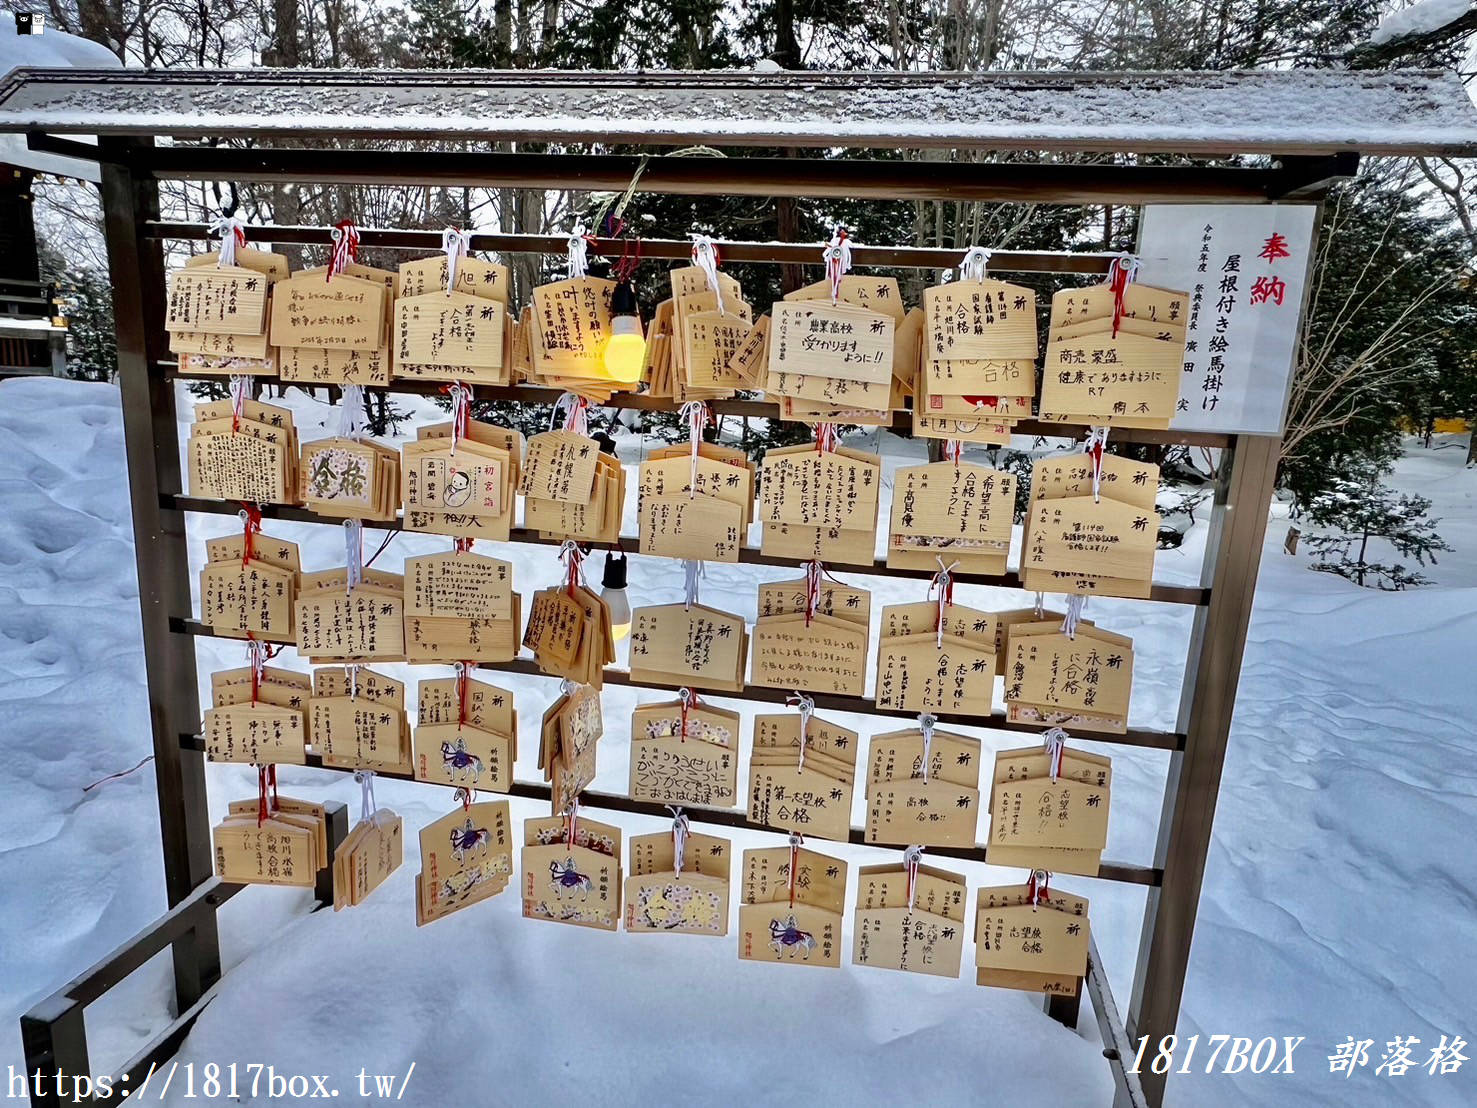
(56, 49)
(1265, 111)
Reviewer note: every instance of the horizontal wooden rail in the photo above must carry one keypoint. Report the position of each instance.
(1020, 181)
(718, 817)
(1089, 263)
(832, 702)
(755, 409)
(1165, 594)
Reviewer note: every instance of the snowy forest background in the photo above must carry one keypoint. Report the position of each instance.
(1387, 346)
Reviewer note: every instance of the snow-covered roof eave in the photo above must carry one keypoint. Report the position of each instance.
(1409, 112)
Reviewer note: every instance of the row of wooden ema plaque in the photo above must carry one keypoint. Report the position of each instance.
(843, 351)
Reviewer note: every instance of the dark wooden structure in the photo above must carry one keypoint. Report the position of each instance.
(1301, 130)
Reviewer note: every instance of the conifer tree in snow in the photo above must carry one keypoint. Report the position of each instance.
(1357, 510)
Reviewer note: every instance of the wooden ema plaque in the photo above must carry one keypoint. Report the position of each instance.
(569, 633)
(1081, 683)
(450, 336)
(224, 300)
(791, 913)
(340, 624)
(695, 646)
(430, 471)
(1069, 477)
(696, 768)
(358, 720)
(460, 607)
(252, 458)
(807, 791)
(813, 338)
(466, 858)
(924, 936)
(906, 805)
(373, 850)
(925, 664)
(260, 734)
(659, 899)
(576, 881)
(345, 313)
(252, 598)
(988, 320)
(957, 511)
(1099, 373)
(284, 849)
(1040, 823)
(571, 322)
(1039, 947)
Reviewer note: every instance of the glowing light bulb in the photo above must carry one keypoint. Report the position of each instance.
(625, 350)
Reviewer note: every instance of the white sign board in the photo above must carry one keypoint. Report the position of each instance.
(1245, 268)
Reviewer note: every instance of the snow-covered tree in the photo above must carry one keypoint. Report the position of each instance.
(1357, 509)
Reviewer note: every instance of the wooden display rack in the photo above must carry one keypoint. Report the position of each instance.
(129, 108)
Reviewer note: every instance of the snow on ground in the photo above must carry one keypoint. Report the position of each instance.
(1338, 898)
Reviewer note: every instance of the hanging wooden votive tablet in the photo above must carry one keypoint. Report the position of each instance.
(265, 723)
(1049, 807)
(678, 883)
(339, 622)
(954, 510)
(250, 591)
(879, 295)
(695, 501)
(373, 849)
(1031, 938)
(936, 656)
(571, 728)
(819, 504)
(332, 365)
(274, 840)
(684, 752)
(1115, 353)
(831, 355)
(811, 634)
(1080, 682)
(709, 321)
(570, 327)
(338, 313)
(1068, 525)
(451, 323)
(350, 478)
(569, 629)
(978, 373)
(243, 450)
(466, 858)
(791, 907)
(462, 486)
(358, 720)
(802, 774)
(710, 335)
(909, 917)
(571, 490)
(466, 734)
(689, 644)
(212, 304)
(572, 872)
(461, 606)
(923, 787)
(216, 314)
